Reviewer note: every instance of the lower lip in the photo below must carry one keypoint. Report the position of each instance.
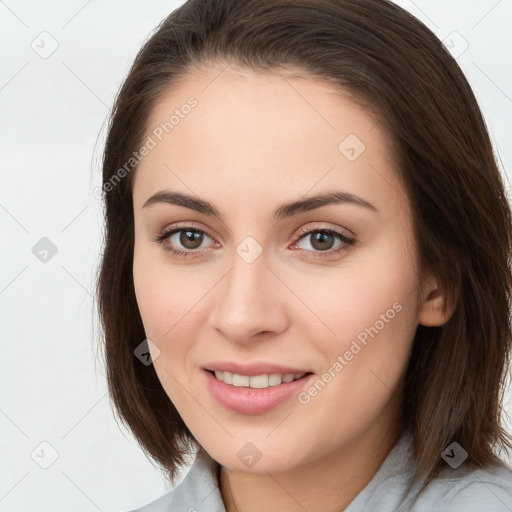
(253, 400)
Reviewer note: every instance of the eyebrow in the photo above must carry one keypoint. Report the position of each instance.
(283, 211)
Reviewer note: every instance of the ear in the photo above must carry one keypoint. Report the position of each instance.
(433, 300)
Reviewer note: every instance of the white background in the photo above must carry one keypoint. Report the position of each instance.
(52, 114)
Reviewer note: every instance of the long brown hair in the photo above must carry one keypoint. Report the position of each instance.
(390, 62)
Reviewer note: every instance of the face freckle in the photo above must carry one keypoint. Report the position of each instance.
(251, 144)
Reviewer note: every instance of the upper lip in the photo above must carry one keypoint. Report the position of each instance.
(252, 369)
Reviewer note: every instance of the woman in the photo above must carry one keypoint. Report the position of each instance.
(306, 271)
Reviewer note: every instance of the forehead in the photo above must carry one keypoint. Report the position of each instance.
(246, 97)
(254, 134)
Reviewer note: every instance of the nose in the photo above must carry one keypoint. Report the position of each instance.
(249, 300)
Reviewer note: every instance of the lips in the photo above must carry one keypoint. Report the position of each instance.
(253, 369)
(248, 400)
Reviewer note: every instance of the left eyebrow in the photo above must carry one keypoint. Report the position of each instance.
(283, 211)
(313, 202)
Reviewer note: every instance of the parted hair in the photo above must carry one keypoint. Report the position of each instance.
(392, 64)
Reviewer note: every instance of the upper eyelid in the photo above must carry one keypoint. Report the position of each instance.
(183, 227)
(341, 231)
(173, 229)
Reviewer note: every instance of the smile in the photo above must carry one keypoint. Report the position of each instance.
(256, 381)
(254, 394)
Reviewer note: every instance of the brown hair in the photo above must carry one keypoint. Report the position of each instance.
(385, 57)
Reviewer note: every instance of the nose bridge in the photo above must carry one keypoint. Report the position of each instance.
(248, 272)
(246, 302)
(245, 289)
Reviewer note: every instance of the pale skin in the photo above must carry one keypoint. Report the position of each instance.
(253, 142)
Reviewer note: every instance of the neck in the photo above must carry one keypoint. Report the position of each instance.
(328, 484)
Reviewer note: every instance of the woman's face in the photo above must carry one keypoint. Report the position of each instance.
(268, 285)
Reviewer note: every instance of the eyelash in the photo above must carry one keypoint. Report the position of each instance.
(347, 241)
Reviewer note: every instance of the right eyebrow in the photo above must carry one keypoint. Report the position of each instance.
(283, 211)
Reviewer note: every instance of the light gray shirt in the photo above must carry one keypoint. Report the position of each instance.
(390, 490)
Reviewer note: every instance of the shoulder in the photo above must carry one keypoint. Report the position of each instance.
(473, 490)
(198, 491)
(463, 489)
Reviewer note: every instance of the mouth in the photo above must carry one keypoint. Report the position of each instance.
(256, 381)
(254, 394)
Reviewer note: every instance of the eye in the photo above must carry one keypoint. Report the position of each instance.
(322, 241)
(187, 241)
(178, 238)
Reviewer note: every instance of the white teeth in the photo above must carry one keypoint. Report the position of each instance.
(256, 381)
(259, 381)
(241, 380)
(275, 379)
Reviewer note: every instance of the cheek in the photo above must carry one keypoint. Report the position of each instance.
(355, 297)
(163, 296)
(171, 305)
(149, 291)
(163, 309)
(369, 306)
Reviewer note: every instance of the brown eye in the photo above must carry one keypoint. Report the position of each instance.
(183, 241)
(322, 240)
(323, 243)
(191, 239)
